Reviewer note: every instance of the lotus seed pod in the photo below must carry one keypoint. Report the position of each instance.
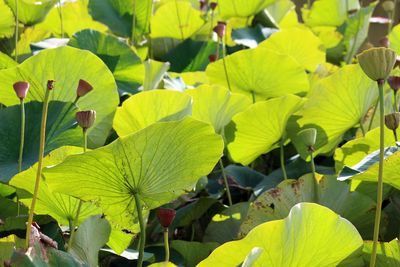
(83, 88)
(50, 84)
(394, 82)
(212, 58)
(21, 89)
(165, 216)
(220, 29)
(388, 6)
(86, 118)
(377, 63)
(392, 120)
(213, 5)
(308, 136)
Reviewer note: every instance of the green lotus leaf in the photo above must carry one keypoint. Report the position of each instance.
(7, 245)
(216, 105)
(279, 11)
(90, 237)
(6, 61)
(119, 57)
(29, 36)
(193, 252)
(116, 14)
(7, 21)
(136, 114)
(292, 241)
(300, 43)
(154, 73)
(31, 11)
(258, 129)
(158, 163)
(394, 39)
(241, 8)
(388, 253)
(66, 65)
(75, 18)
(336, 104)
(181, 25)
(143, 12)
(261, 72)
(329, 12)
(276, 203)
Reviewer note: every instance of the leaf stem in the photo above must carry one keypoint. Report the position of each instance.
(166, 244)
(22, 138)
(142, 230)
(380, 173)
(133, 23)
(313, 165)
(373, 115)
(362, 127)
(228, 192)
(396, 106)
(282, 158)
(61, 19)
(40, 164)
(224, 63)
(16, 30)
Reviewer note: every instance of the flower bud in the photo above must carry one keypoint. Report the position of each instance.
(212, 57)
(308, 137)
(203, 4)
(388, 6)
(392, 120)
(86, 118)
(377, 63)
(220, 29)
(83, 88)
(213, 5)
(21, 89)
(394, 82)
(165, 216)
(50, 84)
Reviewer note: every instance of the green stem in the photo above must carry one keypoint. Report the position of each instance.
(193, 232)
(253, 97)
(380, 173)
(282, 154)
(309, 4)
(228, 192)
(22, 138)
(396, 106)
(142, 230)
(133, 23)
(179, 20)
(373, 115)
(212, 22)
(40, 164)
(362, 127)
(166, 244)
(61, 18)
(395, 135)
(16, 30)
(224, 63)
(313, 165)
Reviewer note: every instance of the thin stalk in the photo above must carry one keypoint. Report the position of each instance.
(396, 106)
(224, 62)
(74, 222)
(313, 165)
(179, 20)
(193, 232)
(40, 164)
(22, 138)
(373, 115)
(61, 18)
(166, 244)
(362, 127)
(142, 230)
(395, 136)
(309, 4)
(380, 173)
(282, 154)
(253, 97)
(212, 23)
(228, 192)
(16, 30)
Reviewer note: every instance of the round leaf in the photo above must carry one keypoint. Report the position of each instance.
(241, 8)
(31, 11)
(394, 39)
(7, 21)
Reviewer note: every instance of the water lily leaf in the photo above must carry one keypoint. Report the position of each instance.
(61, 130)
(300, 43)
(193, 252)
(388, 253)
(31, 11)
(183, 20)
(259, 128)
(134, 114)
(75, 18)
(90, 237)
(394, 39)
(122, 61)
(337, 103)
(61, 207)
(308, 226)
(7, 21)
(66, 65)
(216, 105)
(158, 163)
(277, 202)
(260, 71)
(241, 8)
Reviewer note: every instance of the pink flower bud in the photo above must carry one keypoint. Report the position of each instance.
(213, 5)
(21, 89)
(220, 29)
(83, 88)
(394, 82)
(165, 216)
(212, 57)
(50, 84)
(203, 4)
(86, 118)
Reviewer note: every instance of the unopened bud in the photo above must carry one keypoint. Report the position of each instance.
(50, 84)
(308, 137)
(21, 89)
(83, 88)
(86, 118)
(220, 29)
(388, 6)
(213, 5)
(394, 82)
(377, 63)
(165, 216)
(392, 120)
(212, 57)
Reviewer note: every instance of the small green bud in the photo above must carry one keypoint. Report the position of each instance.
(308, 137)
(388, 6)
(377, 63)
(392, 120)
